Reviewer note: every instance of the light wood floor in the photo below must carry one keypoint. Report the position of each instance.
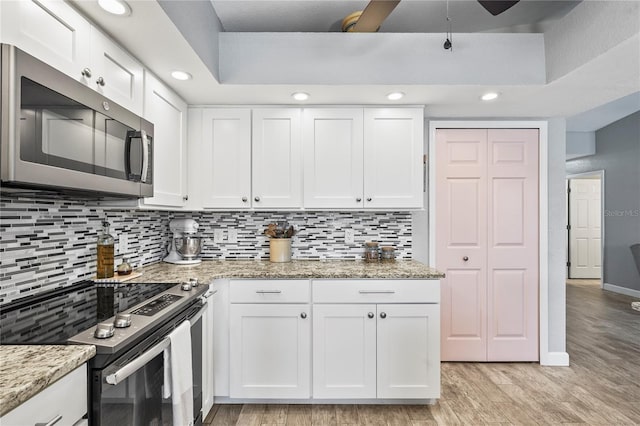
(601, 387)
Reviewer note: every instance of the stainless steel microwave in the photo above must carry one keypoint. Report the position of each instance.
(57, 133)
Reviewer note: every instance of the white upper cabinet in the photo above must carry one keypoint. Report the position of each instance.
(50, 30)
(333, 162)
(115, 74)
(168, 113)
(55, 33)
(393, 157)
(276, 158)
(224, 160)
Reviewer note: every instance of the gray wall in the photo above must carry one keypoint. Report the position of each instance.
(618, 154)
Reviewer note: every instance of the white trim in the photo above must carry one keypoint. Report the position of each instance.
(600, 174)
(555, 359)
(314, 401)
(546, 357)
(622, 290)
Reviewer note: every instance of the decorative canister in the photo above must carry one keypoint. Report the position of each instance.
(280, 250)
(371, 251)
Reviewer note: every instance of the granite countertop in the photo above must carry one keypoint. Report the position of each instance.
(256, 269)
(26, 370)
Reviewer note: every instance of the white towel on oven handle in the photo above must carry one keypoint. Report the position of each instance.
(178, 381)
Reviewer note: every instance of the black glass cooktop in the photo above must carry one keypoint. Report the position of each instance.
(53, 316)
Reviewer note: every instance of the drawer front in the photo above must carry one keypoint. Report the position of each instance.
(376, 291)
(270, 291)
(66, 398)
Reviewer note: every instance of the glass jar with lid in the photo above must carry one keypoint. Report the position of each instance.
(371, 251)
(387, 253)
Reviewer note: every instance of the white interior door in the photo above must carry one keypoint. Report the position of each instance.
(585, 233)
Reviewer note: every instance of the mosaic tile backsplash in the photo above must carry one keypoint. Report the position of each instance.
(50, 242)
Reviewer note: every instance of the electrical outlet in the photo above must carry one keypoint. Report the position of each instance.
(123, 244)
(232, 236)
(349, 236)
(218, 236)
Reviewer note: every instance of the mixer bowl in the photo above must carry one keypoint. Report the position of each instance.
(188, 246)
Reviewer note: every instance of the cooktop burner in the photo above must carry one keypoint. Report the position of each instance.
(52, 317)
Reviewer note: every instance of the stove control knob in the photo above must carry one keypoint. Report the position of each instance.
(186, 286)
(194, 282)
(104, 330)
(122, 321)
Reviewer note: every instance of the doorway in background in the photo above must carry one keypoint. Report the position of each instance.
(585, 226)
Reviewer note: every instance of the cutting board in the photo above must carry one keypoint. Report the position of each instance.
(118, 278)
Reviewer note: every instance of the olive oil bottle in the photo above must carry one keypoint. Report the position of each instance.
(105, 253)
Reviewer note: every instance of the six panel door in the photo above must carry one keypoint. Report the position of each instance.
(585, 217)
(487, 243)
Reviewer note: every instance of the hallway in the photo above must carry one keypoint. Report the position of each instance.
(601, 387)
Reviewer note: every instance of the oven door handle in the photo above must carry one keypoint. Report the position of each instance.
(138, 363)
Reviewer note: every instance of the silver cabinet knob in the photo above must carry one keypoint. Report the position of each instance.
(104, 330)
(122, 321)
(100, 81)
(256, 199)
(370, 315)
(185, 198)
(369, 198)
(358, 199)
(51, 422)
(245, 199)
(86, 73)
(383, 315)
(465, 258)
(303, 315)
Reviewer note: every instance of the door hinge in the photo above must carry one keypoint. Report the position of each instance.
(568, 190)
(568, 227)
(568, 264)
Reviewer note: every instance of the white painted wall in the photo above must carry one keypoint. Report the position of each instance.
(580, 144)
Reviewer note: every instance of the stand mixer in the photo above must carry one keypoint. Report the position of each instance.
(186, 244)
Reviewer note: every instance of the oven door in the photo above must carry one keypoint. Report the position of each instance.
(130, 390)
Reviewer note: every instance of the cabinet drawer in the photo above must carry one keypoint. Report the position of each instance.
(66, 398)
(376, 291)
(270, 291)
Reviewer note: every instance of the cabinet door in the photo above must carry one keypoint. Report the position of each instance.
(344, 351)
(270, 351)
(277, 158)
(116, 75)
(408, 351)
(393, 157)
(225, 160)
(168, 113)
(333, 160)
(208, 331)
(50, 30)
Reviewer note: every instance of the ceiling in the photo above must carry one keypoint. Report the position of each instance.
(152, 37)
(410, 16)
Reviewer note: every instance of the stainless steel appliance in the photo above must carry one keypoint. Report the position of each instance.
(57, 133)
(186, 244)
(132, 321)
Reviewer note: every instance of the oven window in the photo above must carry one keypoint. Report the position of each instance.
(60, 132)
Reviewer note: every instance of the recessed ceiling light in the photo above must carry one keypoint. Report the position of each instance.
(394, 96)
(181, 75)
(300, 96)
(489, 96)
(115, 7)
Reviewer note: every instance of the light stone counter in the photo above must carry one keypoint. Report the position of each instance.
(257, 269)
(26, 370)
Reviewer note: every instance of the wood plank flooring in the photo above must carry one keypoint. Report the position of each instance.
(601, 387)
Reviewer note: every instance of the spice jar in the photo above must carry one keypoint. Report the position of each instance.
(387, 253)
(124, 268)
(371, 251)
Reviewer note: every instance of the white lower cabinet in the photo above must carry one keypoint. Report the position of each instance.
(270, 350)
(64, 403)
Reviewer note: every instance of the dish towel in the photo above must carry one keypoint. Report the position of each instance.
(635, 305)
(178, 381)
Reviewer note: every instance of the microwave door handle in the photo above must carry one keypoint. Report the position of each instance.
(145, 156)
(138, 363)
(127, 153)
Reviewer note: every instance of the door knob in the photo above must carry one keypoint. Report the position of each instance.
(244, 199)
(383, 315)
(358, 199)
(303, 315)
(257, 199)
(101, 81)
(86, 73)
(369, 199)
(465, 258)
(370, 315)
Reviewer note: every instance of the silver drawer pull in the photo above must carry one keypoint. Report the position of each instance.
(51, 422)
(376, 291)
(268, 291)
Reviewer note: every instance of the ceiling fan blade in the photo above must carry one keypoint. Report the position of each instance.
(373, 15)
(496, 7)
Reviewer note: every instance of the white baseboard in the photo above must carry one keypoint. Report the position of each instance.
(555, 359)
(622, 290)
